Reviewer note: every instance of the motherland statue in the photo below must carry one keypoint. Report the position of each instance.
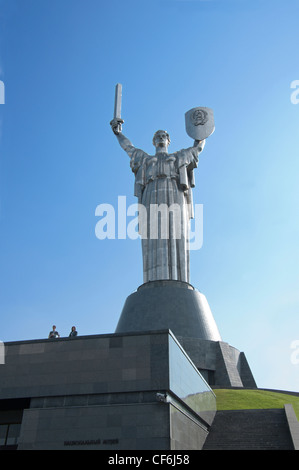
(163, 186)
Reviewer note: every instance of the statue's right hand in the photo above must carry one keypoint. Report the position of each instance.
(116, 125)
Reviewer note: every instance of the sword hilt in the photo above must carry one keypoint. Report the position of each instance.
(116, 125)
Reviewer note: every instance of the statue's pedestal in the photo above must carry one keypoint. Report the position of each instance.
(179, 307)
(173, 305)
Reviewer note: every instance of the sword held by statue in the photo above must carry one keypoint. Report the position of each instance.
(117, 121)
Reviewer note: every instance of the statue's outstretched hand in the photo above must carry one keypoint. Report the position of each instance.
(116, 125)
(200, 143)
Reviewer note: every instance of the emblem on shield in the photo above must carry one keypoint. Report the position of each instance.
(199, 123)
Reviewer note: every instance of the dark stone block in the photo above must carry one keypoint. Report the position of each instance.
(172, 305)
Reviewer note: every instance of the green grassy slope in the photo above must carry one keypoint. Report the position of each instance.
(230, 399)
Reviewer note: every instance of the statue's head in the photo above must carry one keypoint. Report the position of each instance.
(161, 139)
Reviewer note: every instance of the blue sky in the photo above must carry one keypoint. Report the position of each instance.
(60, 61)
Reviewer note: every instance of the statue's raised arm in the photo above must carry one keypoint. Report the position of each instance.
(117, 122)
(123, 141)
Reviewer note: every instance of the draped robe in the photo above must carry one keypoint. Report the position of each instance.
(164, 181)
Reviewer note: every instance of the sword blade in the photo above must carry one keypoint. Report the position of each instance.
(117, 103)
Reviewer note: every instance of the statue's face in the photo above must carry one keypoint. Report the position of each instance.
(161, 139)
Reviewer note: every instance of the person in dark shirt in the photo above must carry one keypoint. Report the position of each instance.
(73, 332)
(54, 333)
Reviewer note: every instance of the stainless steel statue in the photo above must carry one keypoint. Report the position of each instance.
(163, 185)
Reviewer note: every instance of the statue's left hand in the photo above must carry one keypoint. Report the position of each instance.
(200, 143)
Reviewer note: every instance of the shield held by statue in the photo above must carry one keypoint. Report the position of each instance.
(199, 123)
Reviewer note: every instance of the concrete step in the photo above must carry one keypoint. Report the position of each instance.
(249, 430)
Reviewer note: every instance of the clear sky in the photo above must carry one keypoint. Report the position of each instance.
(59, 62)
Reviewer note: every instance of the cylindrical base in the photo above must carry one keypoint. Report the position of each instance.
(172, 305)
